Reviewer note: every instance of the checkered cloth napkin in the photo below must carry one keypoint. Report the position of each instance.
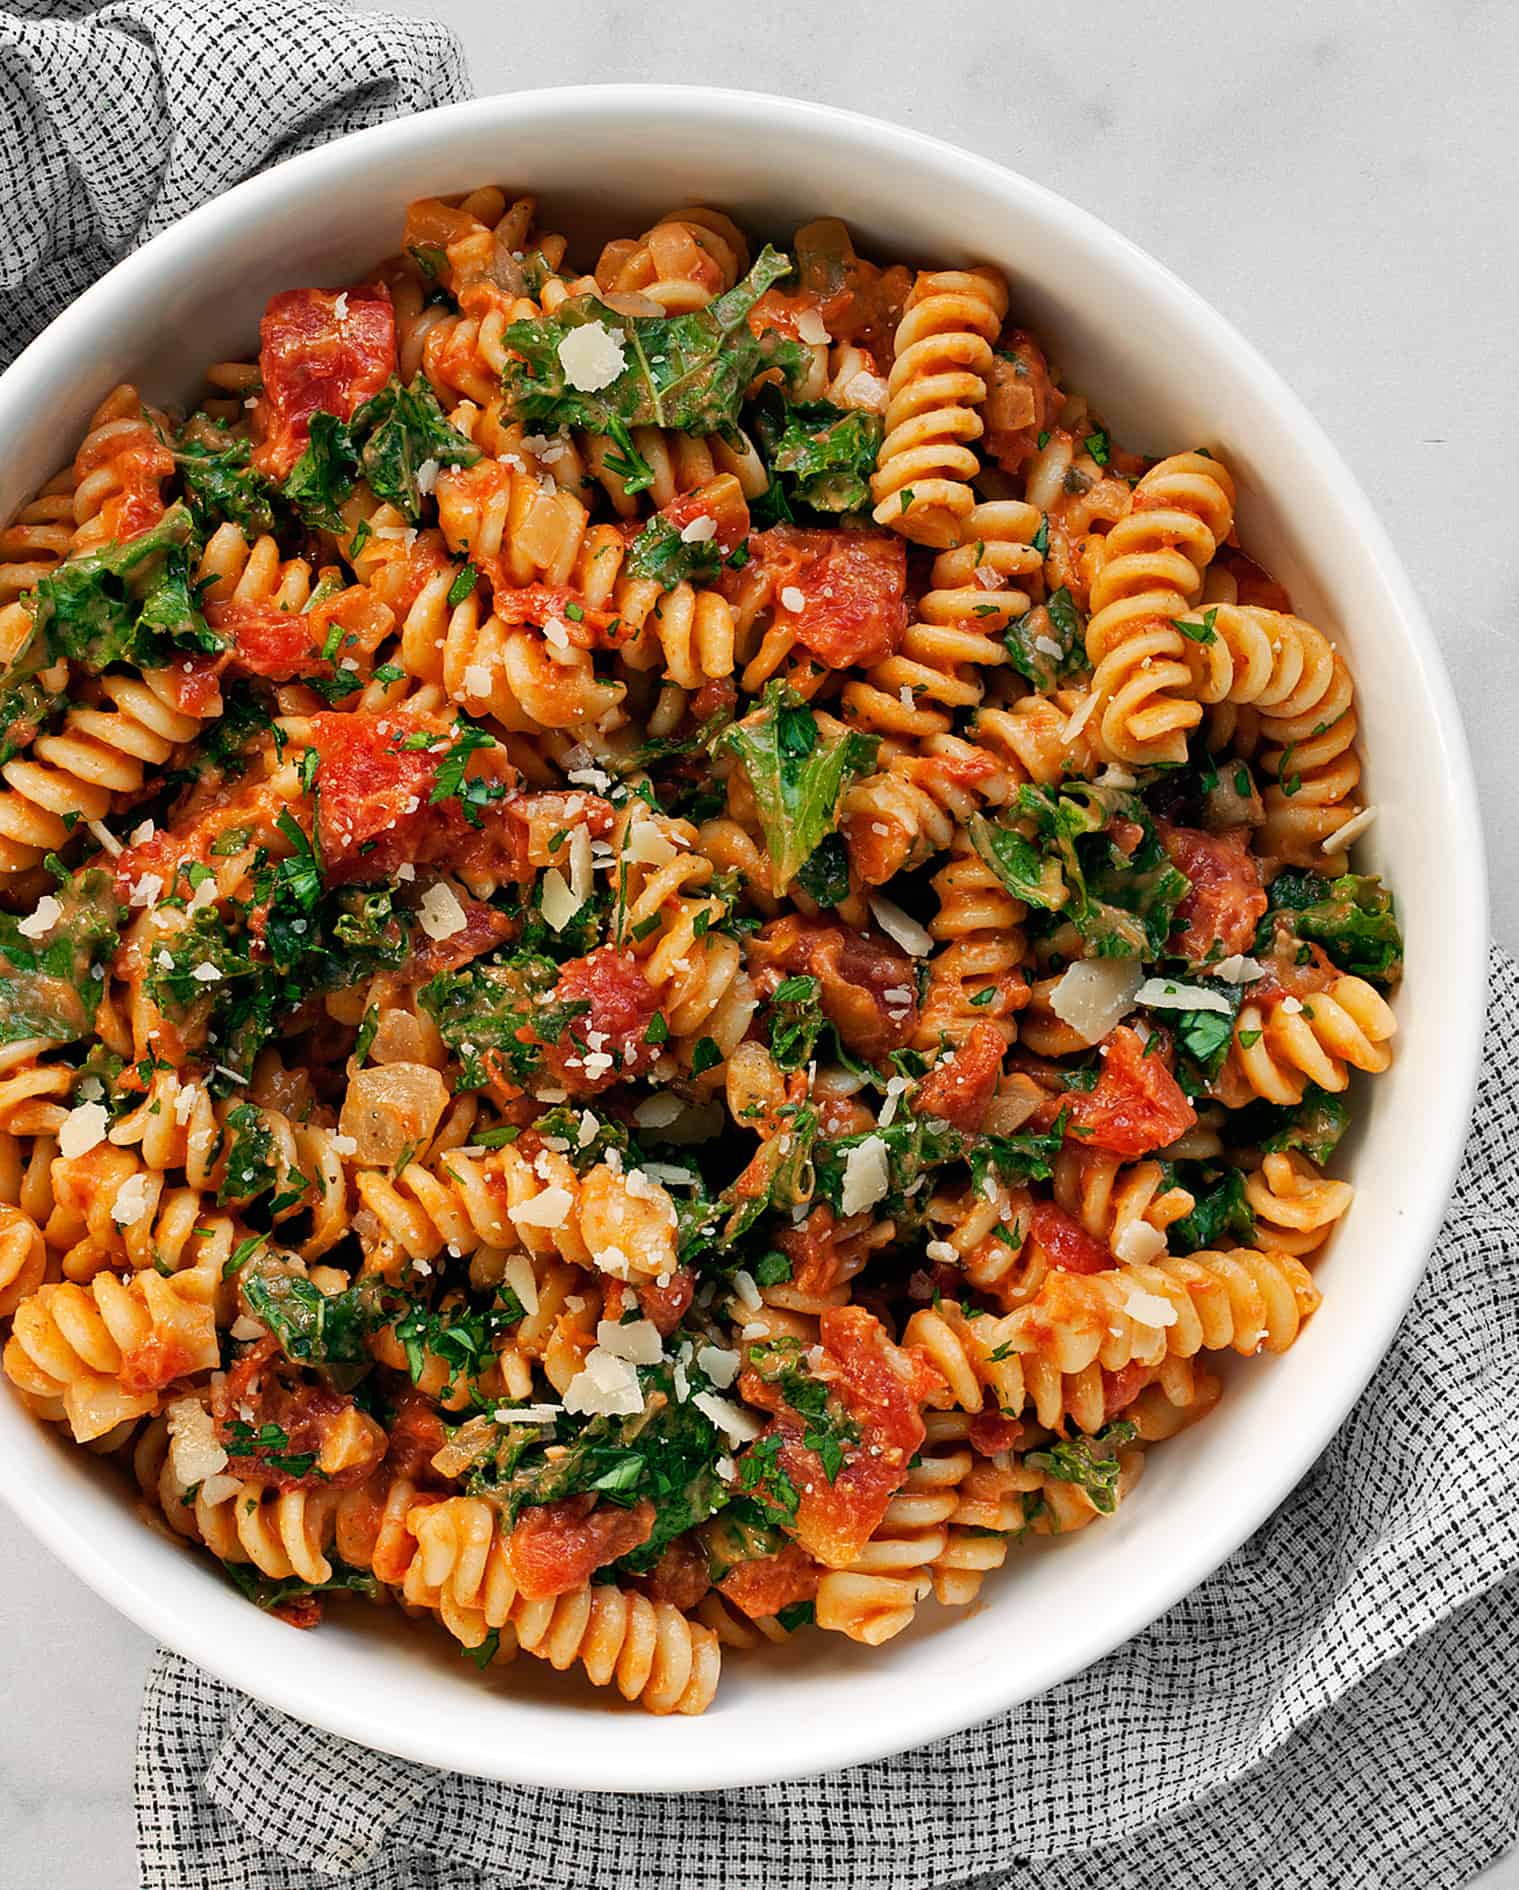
(1337, 1706)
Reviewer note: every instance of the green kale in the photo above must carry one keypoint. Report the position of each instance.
(824, 874)
(128, 603)
(403, 429)
(220, 484)
(1352, 917)
(451, 782)
(497, 1008)
(1120, 899)
(1048, 643)
(269, 1594)
(227, 742)
(270, 1445)
(252, 1165)
(1091, 1463)
(667, 1452)
(828, 1428)
(26, 708)
(1205, 1034)
(798, 770)
(796, 1019)
(1222, 1216)
(312, 1327)
(686, 372)
(779, 1176)
(822, 454)
(1312, 1127)
(460, 1335)
(659, 552)
(51, 983)
(323, 477)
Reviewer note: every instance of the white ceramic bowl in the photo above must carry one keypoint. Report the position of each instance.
(1168, 373)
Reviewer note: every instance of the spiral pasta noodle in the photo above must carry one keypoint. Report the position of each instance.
(673, 952)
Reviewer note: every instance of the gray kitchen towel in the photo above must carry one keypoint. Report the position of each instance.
(115, 120)
(1338, 1706)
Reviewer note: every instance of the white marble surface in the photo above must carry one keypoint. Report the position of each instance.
(1340, 179)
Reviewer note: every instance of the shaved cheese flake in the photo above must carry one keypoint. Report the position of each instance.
(340, 306)
(1238, 969)
(1094, 994)
(606, 1387)
(867, 1175)
(1164, 994)
(131, 1201)
(810, 328)
(647, 846)
(189, 1096)
(638, 1341)
(745, 1290)
(865, 390)
(1137, 1243)
(591, 357)
(793, 599)
(737, 1424)
(548, 1209)
(559, 905)
(658, 1112)
(42, 919)
(1148, 1309)
(700, 531)
(1078, 719)
(720, 1365)
(520, 1277)
(82, 1129)
(896, 924)
(582, 866)
(1347, 835)
(477, 680)
(440, 913)
(526, 1413)
(106, 838)
(194, 1450)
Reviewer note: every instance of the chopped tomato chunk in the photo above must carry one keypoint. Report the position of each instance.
(959, 1090)
(869, 985)
(536, 604)
(852, 585)
(1066, 1242)
(664, 1306)
(376, 783)
(880, 1388)
(991, 1432)
(1226, 902)
(606, 1042)
(266, 641)
(320, 350)
(1137, 1104)
(771, 1582)
(557, 1547)
(680, 1576)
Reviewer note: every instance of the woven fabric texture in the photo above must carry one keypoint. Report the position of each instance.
(116, 120)
(1337, 1706)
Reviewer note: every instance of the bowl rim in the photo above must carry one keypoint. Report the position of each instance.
(644, 1764)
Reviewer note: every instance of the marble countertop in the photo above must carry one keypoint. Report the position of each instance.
(1338, 176)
